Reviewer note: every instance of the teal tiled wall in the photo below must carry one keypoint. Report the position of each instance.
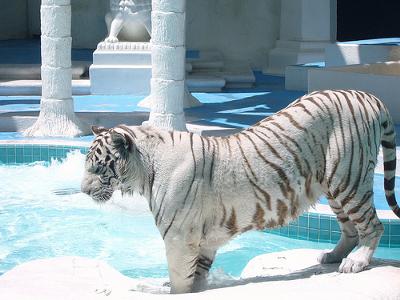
(28, 153)
(325, 228)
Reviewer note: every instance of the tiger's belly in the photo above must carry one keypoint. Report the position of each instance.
(241, 209)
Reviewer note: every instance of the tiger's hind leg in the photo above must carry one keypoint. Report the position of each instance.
(348, 239)
(369, 228)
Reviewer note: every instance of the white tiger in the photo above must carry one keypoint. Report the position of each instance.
(203, 191)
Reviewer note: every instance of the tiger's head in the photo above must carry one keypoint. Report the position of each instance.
(106, 163)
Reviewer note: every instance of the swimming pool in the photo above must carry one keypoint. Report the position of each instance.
(43, 215)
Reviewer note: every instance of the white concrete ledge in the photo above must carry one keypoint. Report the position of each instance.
(34, 87)
(380, 79)
(291, 274)
(201, 83)
(340, 54)
(32, 71)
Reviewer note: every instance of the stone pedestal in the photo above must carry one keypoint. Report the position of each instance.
(307, 27)
(121, 68)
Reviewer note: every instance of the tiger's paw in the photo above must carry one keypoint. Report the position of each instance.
(328, 257)
(351, 265)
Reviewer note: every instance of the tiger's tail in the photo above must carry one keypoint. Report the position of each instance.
(388, 143)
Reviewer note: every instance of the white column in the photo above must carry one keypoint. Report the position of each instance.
(168, 64)
(57, 117)
(307, 27)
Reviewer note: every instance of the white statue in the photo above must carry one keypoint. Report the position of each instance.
(129, 20)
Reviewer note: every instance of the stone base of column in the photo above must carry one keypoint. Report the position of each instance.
(289, 53)
(57, 118)
(167, 121)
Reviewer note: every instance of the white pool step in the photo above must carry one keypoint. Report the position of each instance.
(239, 76)
(34, 87)
(32, 71)
(204, 83)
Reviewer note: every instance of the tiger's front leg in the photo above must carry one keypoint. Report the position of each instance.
(204, 263)
(182, 263)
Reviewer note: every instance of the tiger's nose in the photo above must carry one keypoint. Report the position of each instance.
(85, 189)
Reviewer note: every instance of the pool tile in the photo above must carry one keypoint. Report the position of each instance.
(83, 150)
(386, 227)
(335, 225)
(27, 159)
(11, 151)
(395, 240)
(303, 232)
(3, 155)
(384, 241)
(28, 150)
(284, 230)
(335, 236)
(52, 152)
(303, 221)
(44, 153)
(313, 222)
(36, 151)
(60, 152)
(394, 228)
(324, 235)
(11, 159)
(293, 231)
(313, 235)
(19, 151)
(324, 223)
(19, 159)
(274, 230)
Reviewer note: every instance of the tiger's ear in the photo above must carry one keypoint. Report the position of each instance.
(97, 130)
(122, 141)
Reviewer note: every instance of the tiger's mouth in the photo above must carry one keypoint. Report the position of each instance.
(103, 196)
(100, 195)
(92, 186)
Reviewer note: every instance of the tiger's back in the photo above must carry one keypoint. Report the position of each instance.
(322, 144)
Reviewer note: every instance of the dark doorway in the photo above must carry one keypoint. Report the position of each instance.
(367, 19)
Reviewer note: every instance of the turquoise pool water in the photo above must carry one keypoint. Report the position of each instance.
(42, 215)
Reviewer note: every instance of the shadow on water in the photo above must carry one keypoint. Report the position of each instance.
(242, 112)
